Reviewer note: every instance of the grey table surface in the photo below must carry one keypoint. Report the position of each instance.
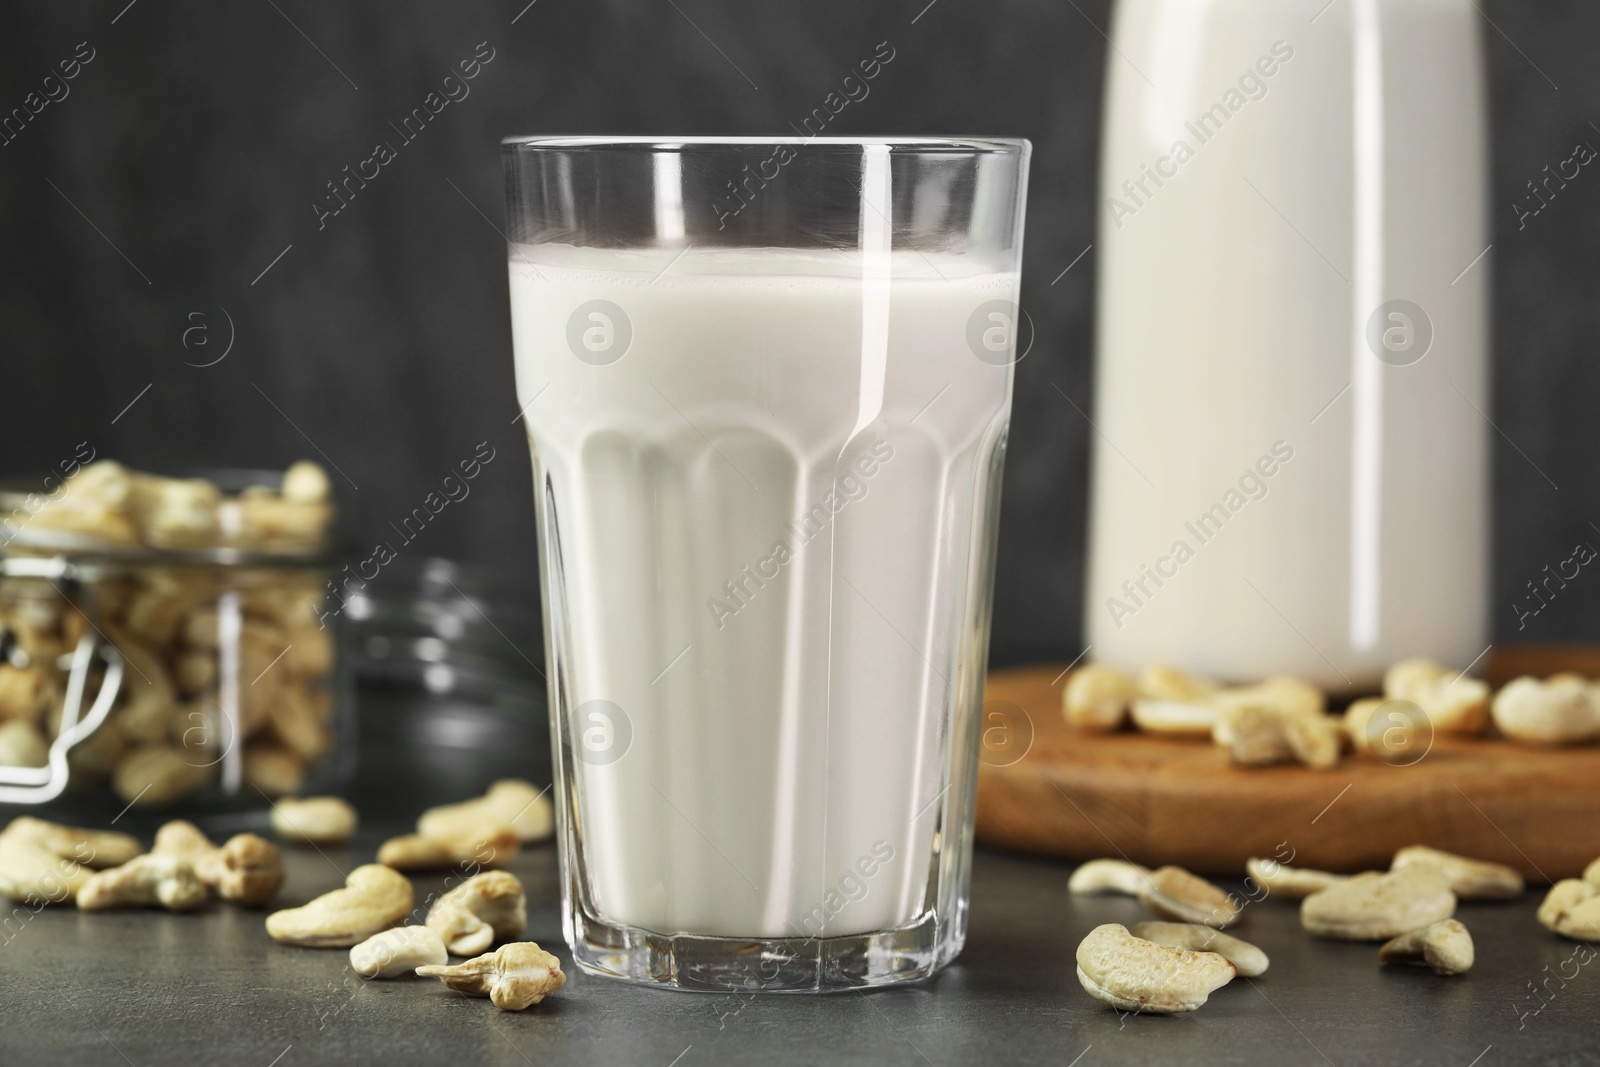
(152, 988)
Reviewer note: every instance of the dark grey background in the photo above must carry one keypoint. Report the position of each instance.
(191, 149)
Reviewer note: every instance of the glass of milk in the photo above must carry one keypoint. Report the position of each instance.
(766, 385)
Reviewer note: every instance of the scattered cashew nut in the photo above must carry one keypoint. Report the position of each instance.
(1454, 703)
(1133, 974)
(1174, 718)
(1284, 693)
(92, 848)
(397, 952)
(1246, 958)
(413, 852)
(1379, 906)
(1446, 946)
(1096, 697)
(316, 820)
(1289, 883)
(1559, 710)
(144, 882)
(513, 977)
(1253, 735)
(1170, 892)
(1257, 732)
(33, 874)
(1159, 681)
(247, 870)
(509, 802)
(486, 908)
(1469, 879)
(375, 897)
(1174, 703)
(1109, 876)
(1174, 893)
(1571, 908)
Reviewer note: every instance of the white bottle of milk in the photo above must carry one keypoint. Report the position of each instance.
(1291, 469)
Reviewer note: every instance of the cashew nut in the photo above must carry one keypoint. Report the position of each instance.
(296, 724)
(1283, 694)
(1174, 717)
(144, 882)
(1253, 735)
(375, 897)
(1315, 740)
(305, 483)
(1469, 879)
(317, 820)
(509, 802)
(1379, 906)
(1259, 723)
(1571, 908)
(1446, 946)
(1174, 703)
(1096, 697)
(151, 776)
(1276, 721)
(1358, 717)
(92, 848)
(513, 977)
(176, 512)
(1174, 893)
(22, 745)
(392, 953)
(1161, 682)
(266, 519)
(1109, 876)
(1560, 710)
(1591, 873)
(1246, 958)
(96, 755)
(247, 870)
(33, 874)
(1134, 974)
(486, 908)
(23, 692)
(413, 852)
(91, 502)
(1454, 703)
(1170, 892)
(272, 769)
(1289, 883)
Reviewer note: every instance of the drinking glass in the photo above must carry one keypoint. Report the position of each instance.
(766, 385)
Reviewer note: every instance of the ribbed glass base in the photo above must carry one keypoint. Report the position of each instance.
(758, 965)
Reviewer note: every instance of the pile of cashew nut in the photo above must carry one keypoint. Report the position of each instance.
(368, 916)
(1284, 720)
(1173, 966)
(202, 679)
(373, 915)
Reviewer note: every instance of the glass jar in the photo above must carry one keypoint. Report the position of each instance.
(195, 670)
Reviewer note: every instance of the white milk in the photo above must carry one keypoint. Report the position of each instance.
(1236, 286)
(764, 517)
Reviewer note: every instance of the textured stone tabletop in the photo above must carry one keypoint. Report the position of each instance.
(153, 988)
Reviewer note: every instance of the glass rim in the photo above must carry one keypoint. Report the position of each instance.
(963, 145)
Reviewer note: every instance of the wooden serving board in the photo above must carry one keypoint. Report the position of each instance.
(1154, 800)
